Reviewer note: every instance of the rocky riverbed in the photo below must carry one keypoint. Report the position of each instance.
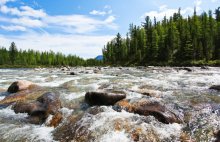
(104, 104)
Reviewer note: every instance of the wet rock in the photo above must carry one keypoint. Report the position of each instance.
(20, 85)
(215, 87)
(73, 73)
(56, 119)
(204, 67)
(185, 137)
(101, 121)
(29, 108)
(101, 98)
(140, 67)
(148, 92)
(97, 71)
(51, 102)
(32, 93)
(217, 136)
(104, 86)
(186, 69)
(39, 110)
(150, 108)
(68, 130)
(65, 69)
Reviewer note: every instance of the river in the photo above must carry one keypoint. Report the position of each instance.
(187, 93)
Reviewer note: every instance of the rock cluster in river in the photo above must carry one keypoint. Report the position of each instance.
(34, 100)
(143, 106)
(40, 109)
(147, 107)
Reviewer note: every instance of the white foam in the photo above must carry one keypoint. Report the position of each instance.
(73, 96)
(57, 82)
(32, 133)
(9, 113)
(115, 136)
(66, 112)
(2, 97)
(166, 131)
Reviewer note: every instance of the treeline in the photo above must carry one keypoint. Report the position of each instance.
(30, 58)
(172, 41)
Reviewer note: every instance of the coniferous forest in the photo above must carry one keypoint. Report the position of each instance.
(175, 40)
(30, 58)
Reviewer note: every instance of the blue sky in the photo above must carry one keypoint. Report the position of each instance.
(81, 27)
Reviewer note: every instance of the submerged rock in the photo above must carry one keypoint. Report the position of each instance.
(215, 87)
(104, 124)
(20, 85)
(39, 110)
(185, 68)
(204, 67)
(150, 108)
(101, 98)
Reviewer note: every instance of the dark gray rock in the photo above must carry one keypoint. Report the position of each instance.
(100, 98)
(215, 87)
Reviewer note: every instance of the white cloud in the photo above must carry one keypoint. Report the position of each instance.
(85, 46)
(79, 23)
(28, 17)
(13, 28)
(23, 11)
(96, 12)
(107, 10)
(197, 4)
(39, 30)
(165, 11)
(23, 21)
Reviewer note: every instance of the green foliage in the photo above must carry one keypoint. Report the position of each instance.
(13, 52)
(172, 41)
(31, 58)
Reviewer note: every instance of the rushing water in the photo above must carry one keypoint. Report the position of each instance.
(185, 92)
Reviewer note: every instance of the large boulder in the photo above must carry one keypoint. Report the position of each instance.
(102, 98)
(215, 87)
(150, 108)
(20, 85)
(40, 109)
(24, 95)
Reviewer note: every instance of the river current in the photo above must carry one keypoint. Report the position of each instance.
(187, 93)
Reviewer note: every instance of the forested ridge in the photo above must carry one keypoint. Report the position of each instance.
(30, 58)
(175, 40)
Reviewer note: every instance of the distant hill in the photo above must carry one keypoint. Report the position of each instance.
(99, 58)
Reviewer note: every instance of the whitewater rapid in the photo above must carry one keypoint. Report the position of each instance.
(185, 92)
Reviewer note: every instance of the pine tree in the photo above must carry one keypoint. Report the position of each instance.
(13, 52)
